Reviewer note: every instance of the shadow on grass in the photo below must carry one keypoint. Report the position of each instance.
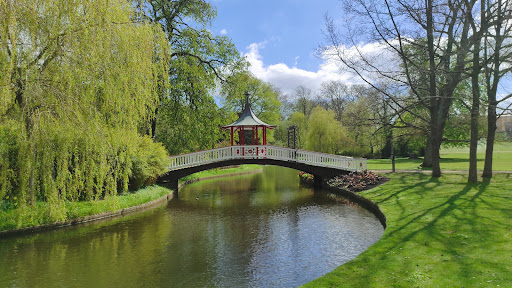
(450, 222)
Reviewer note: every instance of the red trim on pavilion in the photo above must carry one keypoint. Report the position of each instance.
(248, 123)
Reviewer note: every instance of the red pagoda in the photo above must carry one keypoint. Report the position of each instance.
(247, 127)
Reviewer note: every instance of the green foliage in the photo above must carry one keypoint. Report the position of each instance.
(182, 128)
(325, 134)
(357, 118)
(409, 137)
(301, 122)
(188, 118)
(9, 151)
(149, 161)
(83, 79)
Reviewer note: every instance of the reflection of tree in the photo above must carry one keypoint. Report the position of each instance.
(99, 255)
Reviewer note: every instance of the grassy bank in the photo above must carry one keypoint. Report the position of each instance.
(441, 233)
(452, 159)
(16, 218)
(39, 214)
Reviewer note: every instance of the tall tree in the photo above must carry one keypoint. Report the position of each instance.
(325, 134)
(436, 28)
(199, 60)
(497, 50)
(263, 96)
(304, 103)
(477, 32)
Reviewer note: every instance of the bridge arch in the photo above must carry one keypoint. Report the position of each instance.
(321, 165)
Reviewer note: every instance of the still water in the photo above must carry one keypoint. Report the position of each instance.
(260, 230)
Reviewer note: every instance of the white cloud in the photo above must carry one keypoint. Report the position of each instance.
(223, 32)
(288, 78)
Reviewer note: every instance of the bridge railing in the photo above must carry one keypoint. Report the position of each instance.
(267, 152)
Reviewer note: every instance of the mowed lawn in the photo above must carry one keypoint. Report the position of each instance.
(441, 233)
(452, 159)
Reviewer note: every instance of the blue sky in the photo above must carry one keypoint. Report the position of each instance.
(289, 28)
(279, 38)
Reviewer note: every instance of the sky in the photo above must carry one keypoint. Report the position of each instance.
(279, 39)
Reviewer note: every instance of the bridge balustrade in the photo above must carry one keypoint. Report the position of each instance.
(266, 152)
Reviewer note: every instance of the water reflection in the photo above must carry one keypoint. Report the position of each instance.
(257, 230)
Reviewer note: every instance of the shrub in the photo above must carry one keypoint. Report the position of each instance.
(148, 162)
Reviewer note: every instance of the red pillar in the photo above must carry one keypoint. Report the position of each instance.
(232, 141)
(257, 135)
(264, 135)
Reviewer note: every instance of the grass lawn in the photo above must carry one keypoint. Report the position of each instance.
(441, 233)
(452, 159)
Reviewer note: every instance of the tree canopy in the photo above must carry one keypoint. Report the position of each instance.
(80, 80)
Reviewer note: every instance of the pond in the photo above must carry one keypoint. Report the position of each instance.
(259, 230)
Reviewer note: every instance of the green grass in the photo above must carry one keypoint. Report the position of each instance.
(452, 159)
(222, 171)
(441, 233)
(40, 213)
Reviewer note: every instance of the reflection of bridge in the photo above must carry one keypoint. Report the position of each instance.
(319, 164)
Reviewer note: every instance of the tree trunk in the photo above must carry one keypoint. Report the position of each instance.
(491, 95)
(427, 157)
(473, 143)
(475, 106)
(436, 139)
(435, 134)
(491, 136)
(153, 124)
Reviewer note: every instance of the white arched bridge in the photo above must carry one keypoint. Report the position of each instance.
(321, 165)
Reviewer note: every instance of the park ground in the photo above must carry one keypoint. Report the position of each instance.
(441, 232)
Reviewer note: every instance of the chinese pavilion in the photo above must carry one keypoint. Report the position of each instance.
(247, 127)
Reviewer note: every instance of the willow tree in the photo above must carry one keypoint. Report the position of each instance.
(79, 79)
(325, 134)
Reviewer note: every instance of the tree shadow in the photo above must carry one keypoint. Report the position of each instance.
(447, 223)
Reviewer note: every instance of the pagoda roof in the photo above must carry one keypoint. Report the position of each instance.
(247, 118)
